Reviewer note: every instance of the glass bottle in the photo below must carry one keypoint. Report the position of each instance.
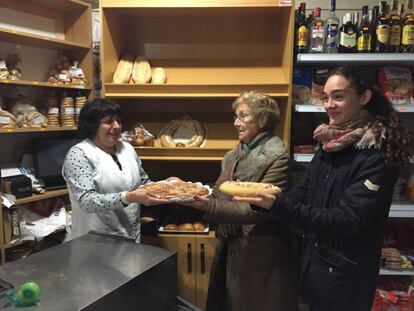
(331, 30)
(347, 35)
(395, 28)
(382, 30)
(373, 20)
(302, 30)
(407, 42)
(316, 33)
(364, 37)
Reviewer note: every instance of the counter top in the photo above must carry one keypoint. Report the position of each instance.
(96, 272)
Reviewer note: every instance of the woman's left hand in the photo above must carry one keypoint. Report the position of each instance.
(145, 197)
(200, 203)
(262, 200)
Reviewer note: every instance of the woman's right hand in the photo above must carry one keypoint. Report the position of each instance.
(262, 200)
(144, 197)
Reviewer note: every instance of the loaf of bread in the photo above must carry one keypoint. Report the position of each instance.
(124, 69)
(7, 120)
(171, 227)
(186, 227)
(199, 226)
(159, 76)
(141, 72)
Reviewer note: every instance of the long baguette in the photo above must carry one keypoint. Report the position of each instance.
(248, 189)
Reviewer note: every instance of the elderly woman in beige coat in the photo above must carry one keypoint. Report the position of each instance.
(254, 266)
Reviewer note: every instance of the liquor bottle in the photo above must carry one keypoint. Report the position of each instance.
(331, 30)
(302, 30)
(407, 42)
(382, 30)
(395, 28)
(373, 20)
(364, 37)
(316, 33)
(347, 35)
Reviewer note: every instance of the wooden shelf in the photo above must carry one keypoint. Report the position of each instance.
(388, 271)
(37, 129)
(23, 38)
(191, 91)
(356, 58)
(17, 243)
(193, 3)
(43, 85)
(39, 197)
(318, 108)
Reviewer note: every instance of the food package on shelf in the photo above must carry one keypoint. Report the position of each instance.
(32, 119)
(123, 71)
(319, 77)
(7, 120)
(13, 63)
(184, 132)
(67, 111)
(301, 89)
(77, 76)
(63, 66)
(396, 84)
(139, 136)
(4, 72)
(53, 76)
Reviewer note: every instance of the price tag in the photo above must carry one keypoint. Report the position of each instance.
(53, 110)
(3, 65)
(4, 120)
(69, 111)
(38, 120)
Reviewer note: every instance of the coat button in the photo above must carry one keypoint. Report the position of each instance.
(233, 254)
(327, 175)
(315, 244)
(330, 270)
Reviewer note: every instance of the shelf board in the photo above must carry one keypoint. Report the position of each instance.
(194, 4)
(303, 157)
(389, 271)
(24, 38)
(356, 58)
(38, 129)
(317, 108)
(181, 154)
(43, 84)
(402, 210)
(113, 90)
(17, 243)
(39, 197)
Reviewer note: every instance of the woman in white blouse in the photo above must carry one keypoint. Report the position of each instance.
(103, 175)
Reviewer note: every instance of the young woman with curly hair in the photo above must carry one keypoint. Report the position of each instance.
(343, 201)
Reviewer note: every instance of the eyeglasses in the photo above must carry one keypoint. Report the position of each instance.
(241, 117)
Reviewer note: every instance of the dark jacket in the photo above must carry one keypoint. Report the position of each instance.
(253, 270)
(341, 206)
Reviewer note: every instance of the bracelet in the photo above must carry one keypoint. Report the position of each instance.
(124, 199)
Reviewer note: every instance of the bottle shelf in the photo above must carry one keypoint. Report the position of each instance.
(388, 271)
(194, 4)
(356, 58)
(303, 157)
(402, 210)
(317, 108)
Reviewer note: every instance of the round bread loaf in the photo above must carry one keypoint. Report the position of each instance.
(248, 189)
(171, 227)
(159, 76)
(187, 227)
(141, 72)
(124, 69)
(199, 226)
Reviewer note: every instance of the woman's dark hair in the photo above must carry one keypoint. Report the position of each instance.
(93, 112)
(399, 143)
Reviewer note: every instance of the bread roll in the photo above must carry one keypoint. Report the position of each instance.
(199, 226)
(141, 72)
(248, 189)
(171, 227)
(124, 69)
(159, 76)
(187, 227)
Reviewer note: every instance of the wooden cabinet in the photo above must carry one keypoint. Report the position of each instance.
(211, 52)
(39, 30)
(194, 258)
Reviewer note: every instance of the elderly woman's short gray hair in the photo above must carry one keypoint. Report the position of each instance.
(260, 105)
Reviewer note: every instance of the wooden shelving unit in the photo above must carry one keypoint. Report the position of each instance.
(62, 26)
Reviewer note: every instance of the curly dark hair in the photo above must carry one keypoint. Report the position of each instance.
(93, 112)
(399, 143)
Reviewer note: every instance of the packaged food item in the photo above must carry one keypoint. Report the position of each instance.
(302, 82)
(13, 63)
(4, 72)
(318, 81)
(77, 77)
(396, 84)
(138, 136)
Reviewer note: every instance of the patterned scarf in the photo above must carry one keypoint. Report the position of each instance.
(356, 131)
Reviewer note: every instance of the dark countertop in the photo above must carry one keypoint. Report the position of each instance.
(95, 272)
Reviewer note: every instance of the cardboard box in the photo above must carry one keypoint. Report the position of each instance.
(11, 224)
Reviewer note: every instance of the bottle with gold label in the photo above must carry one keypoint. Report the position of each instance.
(347, 35)
(302, 30)
(382, 29)
(395, 28)
(407, 40)
(364, 37)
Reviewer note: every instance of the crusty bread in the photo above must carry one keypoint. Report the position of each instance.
(159, 76)
(199, 226)
(248, 189)
(124, 69)
(141, 72)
